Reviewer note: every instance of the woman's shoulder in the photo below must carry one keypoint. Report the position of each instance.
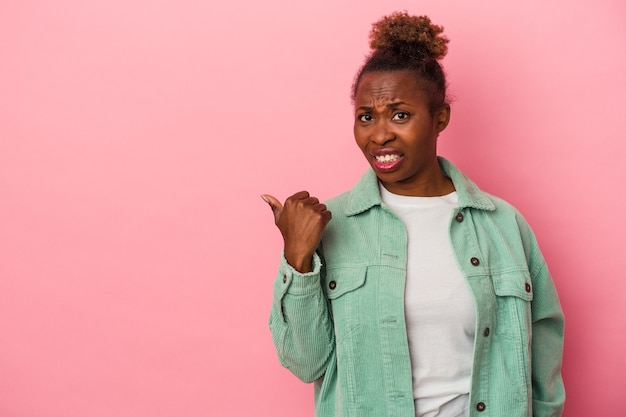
(361, 197)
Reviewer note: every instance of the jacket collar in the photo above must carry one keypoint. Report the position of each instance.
(366, 194)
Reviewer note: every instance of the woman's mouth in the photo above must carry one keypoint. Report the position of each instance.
(386, 162)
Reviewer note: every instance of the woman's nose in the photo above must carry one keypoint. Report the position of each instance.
(381, 134)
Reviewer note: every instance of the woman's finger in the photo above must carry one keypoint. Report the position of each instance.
(277, 207)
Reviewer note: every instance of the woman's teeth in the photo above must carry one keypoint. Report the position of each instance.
(386, 158)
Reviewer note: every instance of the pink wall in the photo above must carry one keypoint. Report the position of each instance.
(136, 257)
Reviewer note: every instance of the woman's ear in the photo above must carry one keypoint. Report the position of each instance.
(442, 117)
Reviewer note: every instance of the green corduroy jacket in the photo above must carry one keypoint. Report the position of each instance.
(342, 326)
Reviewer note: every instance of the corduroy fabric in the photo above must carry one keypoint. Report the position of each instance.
(342, 326)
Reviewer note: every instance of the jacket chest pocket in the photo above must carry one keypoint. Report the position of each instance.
(346, 289)
(514, 294)
(343, 286)
(343, 280)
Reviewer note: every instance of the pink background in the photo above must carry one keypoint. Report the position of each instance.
(136, 257)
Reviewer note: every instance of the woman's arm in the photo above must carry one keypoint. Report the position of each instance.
(547, 342)
(300, 321)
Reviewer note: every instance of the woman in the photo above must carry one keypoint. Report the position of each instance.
(424, 296)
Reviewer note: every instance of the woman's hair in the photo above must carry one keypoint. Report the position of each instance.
(403, 42)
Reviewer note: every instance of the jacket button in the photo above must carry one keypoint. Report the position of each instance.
(527, 287)
(481, 406)
(475, 261)
(459, 217)
(332, 285)
(486, 332)
(285, 278)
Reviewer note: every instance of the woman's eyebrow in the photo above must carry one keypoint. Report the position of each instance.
(390, 105)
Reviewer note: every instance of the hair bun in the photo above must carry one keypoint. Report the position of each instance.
(415, 35)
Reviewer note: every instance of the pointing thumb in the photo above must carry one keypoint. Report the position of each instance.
(276, 206)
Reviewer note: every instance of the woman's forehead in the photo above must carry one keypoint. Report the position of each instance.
(386, 87)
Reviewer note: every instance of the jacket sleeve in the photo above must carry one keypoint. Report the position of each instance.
(547, 340)
(300, 321)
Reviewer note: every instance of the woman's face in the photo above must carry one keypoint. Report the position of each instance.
(396, 131)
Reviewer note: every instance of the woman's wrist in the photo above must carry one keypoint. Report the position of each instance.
(301, 263)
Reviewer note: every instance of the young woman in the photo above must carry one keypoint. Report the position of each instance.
(424, 296)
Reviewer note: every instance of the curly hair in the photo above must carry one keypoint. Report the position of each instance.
(404, 42)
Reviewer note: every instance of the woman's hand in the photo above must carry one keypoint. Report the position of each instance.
(301, 221)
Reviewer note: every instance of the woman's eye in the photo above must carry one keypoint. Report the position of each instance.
(400, 116)
(365, 118)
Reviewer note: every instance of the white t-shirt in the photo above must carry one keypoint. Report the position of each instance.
(439, 307)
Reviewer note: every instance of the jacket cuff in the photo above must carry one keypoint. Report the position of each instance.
(290, 281)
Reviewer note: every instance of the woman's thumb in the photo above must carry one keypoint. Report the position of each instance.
(276, 206)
